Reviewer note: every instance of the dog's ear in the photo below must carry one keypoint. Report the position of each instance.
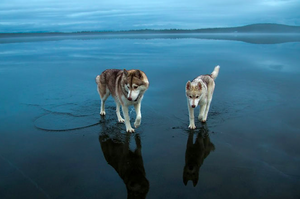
(188, 85)
(199, 86)
(138, 74)
(185, 180)
(125, 72)
(195, 181)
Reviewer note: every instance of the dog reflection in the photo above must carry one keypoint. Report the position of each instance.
(195, 154)
(128, 164)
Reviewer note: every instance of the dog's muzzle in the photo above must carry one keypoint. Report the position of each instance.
(137, 97)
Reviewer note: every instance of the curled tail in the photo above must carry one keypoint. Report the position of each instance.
(215, 73)
(98, 79)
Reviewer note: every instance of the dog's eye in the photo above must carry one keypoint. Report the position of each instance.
(197, 96)
(191, 97)
(135, 87)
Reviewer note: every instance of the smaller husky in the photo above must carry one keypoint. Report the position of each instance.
(127, 88)
(200, 91)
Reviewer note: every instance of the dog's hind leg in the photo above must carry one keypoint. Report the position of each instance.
(138, 118)
(206, 111)
(103, 99)
(209, 99)
(202, 112)
(203, 105)
(120, 119)
(103, 92)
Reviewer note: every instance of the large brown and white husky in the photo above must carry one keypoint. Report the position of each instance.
(127, 88)
(200, 92)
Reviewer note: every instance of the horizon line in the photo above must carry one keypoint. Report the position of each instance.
(146, 29)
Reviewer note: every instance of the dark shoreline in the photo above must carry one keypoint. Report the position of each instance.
(147, 33)
(262, 28)
(262, 38)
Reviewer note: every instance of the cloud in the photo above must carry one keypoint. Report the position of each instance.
(75, 15)
(93, 13)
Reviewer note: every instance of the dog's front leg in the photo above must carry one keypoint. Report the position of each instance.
(120, 119)
(138, 118)
(127, 119)
(191, 117)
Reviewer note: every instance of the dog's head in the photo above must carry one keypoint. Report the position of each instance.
(135, 83)
(193, 93)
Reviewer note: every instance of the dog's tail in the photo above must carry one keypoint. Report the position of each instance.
(98, 79)
(215, 73)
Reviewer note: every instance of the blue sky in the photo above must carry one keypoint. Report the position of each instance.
(91, 15)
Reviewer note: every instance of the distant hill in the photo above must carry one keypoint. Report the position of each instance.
(262, 28)
(254, 28)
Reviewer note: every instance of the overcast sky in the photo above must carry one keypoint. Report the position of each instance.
(90, 15)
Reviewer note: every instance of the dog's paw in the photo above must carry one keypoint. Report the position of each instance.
(130, 130)
(137, 122)
(192, 126)
(203, 121)
(102, 113)
(121, 120)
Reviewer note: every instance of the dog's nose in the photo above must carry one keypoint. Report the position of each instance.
(129, 98)
(193, 106)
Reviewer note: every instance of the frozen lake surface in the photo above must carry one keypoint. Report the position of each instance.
(54, 144)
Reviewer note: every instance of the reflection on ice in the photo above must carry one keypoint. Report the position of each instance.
(255, 111)
(127, 163)
(249, 38)
(195, 154)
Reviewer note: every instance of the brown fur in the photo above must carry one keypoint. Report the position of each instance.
(200, 92)
(127, 88)
(112, 77)
(207, 79)
(107, 79)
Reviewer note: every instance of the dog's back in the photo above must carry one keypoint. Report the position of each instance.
(109, 78)
(208, 79)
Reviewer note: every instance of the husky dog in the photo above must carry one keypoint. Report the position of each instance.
(127, 88)
(195, 154)
(200, 91)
